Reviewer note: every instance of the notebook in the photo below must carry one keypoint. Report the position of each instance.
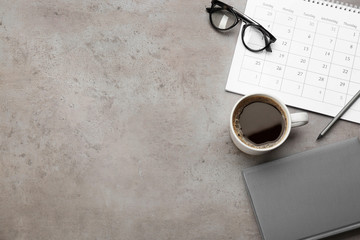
(315, 63)
(309, 195)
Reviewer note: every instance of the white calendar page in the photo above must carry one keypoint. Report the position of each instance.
(315, 62)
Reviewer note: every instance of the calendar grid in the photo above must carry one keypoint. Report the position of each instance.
(291, 40)
(332, 56)
(306, 70)
(261, 71)
(315, 62)
(261, 83)
(312, 58)
(353, 63)
(307, 67)
(318, 101)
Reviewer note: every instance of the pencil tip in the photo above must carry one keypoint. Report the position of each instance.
(320, 136)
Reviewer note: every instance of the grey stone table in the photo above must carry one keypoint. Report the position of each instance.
(114, 123)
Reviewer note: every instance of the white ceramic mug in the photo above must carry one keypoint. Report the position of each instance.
(289, 121)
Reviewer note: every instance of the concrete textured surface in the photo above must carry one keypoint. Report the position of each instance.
(114, 123)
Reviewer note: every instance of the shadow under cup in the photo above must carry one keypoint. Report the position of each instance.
(260, 122)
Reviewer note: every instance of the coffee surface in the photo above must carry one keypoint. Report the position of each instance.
(261, 123)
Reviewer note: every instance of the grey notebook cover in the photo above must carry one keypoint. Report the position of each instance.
(309, 195)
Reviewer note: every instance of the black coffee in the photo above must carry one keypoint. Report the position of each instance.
(261, 123)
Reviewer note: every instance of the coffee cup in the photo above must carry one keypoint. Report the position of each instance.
(261, 122)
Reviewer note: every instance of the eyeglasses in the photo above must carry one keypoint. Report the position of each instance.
(254, 36)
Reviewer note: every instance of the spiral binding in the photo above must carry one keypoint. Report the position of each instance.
(336, 4)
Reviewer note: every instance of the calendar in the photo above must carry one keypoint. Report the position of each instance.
(315, 61)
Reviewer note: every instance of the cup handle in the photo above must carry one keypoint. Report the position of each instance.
(299, 119)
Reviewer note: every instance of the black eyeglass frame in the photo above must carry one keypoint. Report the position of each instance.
(268, 37)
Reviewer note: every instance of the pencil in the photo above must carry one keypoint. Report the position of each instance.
(345, 108)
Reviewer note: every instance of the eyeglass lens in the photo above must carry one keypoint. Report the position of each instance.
(222, 18)
(254, 38)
